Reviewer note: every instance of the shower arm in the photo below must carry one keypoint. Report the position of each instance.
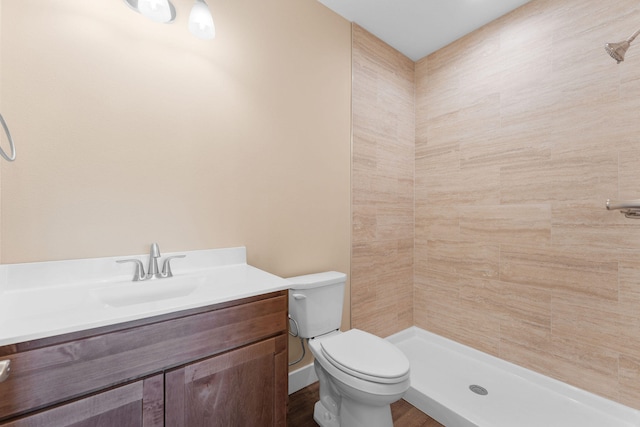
(633, 36)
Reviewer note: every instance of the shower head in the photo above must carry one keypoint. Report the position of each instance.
(617, 50)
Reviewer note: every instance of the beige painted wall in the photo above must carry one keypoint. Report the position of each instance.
(524, 129)
(131, 132)
(382, 182)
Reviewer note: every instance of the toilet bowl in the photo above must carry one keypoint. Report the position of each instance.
(360, 374)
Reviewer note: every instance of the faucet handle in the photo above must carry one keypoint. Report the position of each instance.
(155, 250)
(166, 267)
(139, 273)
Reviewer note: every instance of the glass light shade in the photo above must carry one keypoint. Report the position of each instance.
(201, 21)
(156, 10)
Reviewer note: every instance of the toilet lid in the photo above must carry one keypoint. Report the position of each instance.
(366, 356)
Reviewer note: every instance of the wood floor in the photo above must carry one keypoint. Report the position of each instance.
(301, 411)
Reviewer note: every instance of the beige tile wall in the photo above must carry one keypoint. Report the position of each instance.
(523, 130)
(382, 186)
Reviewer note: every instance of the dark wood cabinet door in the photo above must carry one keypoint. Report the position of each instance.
(244, 387)
(139, 404)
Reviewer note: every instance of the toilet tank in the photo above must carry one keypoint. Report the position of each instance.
(315, 302)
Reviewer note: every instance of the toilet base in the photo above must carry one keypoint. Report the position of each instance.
(353, 414)
(323, 417)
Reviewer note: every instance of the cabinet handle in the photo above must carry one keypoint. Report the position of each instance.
(5, 367)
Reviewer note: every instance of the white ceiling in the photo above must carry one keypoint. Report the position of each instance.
(420, 27)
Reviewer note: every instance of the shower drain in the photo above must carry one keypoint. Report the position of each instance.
(478, 390)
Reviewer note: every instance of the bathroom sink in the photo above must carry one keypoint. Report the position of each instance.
(131, 293)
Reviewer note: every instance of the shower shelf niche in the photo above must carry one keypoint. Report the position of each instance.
(630, 208)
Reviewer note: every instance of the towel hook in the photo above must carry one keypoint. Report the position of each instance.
(11, 144)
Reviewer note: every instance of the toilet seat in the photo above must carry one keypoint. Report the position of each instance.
(366, 356)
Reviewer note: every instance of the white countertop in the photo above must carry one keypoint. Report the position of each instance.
(39, 300)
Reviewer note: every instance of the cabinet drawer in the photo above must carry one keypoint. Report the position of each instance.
(60, 372)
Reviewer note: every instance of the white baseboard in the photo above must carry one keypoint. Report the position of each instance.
(302, 377)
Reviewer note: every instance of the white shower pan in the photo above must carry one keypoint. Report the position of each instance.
(443, 374)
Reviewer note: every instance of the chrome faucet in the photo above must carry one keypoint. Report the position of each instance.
(152, 271)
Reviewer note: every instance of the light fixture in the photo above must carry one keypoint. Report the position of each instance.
(157, 10)
(201, 21)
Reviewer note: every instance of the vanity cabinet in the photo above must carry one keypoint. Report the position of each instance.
(223, 365)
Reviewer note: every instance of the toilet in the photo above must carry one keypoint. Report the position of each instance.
(360, 374)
